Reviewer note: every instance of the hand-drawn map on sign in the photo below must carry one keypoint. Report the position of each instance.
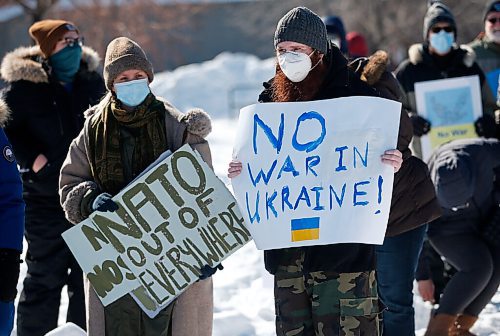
(173, 220)
(312, 172)
(451, 105)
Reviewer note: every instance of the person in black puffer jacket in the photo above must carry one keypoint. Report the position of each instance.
(49, 87)
(439, 57)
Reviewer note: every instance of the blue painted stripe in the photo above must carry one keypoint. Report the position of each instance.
(305, 223)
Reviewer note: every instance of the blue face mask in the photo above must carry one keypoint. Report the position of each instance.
(66, 62)
(132, 93)
(441, 41)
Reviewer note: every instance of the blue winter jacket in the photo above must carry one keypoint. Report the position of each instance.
(11, 198)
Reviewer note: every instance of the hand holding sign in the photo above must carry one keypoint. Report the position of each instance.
(103, 202)
(234, 169)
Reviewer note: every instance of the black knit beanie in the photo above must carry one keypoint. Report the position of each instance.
(302, 25)
(492, 6)
(438, 12)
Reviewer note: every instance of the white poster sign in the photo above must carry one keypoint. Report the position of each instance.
(173, 220)
(312, 171)
(451, 105)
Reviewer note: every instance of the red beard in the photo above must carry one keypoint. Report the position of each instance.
(284, 90)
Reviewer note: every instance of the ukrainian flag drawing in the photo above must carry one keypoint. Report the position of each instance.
(305, 229)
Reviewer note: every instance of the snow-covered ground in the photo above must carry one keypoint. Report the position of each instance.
(243, 290)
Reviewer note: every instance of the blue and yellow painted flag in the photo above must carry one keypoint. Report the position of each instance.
(305, 229)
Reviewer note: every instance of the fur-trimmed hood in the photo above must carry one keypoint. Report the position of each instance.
(370, 69)
(23, 64)
(4, 113)
(197, 121)
(416, 54)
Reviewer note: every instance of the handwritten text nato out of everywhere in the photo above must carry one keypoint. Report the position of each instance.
(175, 256)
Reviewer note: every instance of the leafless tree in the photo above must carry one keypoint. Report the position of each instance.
(36, 9)
(159, 29)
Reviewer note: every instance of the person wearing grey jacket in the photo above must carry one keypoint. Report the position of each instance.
(122, 136)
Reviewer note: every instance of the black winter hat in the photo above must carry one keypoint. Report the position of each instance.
(492, 6)
(453, 179)
(334, 25)
(304, 26)
(438, 12)
(124, 54)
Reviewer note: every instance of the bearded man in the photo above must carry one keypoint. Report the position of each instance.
(319, 289)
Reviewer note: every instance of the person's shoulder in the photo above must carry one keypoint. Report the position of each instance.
(22, 64)
(468, 55)
(196, 120)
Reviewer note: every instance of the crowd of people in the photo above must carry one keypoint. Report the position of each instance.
(72, 138)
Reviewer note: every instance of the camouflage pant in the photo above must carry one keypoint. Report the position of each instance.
(325, 303)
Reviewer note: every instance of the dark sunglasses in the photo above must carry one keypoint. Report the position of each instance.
(438, 29)
(73, 41)
(493, 20)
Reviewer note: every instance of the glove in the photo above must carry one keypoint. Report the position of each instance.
(103, 202)
(9, 264)
(207, 271)
(421, 125)
(485, 126)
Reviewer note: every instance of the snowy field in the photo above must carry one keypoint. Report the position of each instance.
(243, 290)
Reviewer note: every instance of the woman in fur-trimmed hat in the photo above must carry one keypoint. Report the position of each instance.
(122, 136)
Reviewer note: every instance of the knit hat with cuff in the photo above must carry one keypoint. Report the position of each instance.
(47, 33)
(438, 12)
(492, 6)
(124, 54)
(302, 25)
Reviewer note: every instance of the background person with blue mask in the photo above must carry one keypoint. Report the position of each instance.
(49, 87)
(438, 57)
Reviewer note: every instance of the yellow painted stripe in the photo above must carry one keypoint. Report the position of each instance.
(307, 234)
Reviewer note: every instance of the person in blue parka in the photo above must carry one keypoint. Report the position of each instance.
(11, 227)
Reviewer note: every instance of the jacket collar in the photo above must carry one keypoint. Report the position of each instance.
(25, 63)
(464, 54)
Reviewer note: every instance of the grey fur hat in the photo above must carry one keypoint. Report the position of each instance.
(438, 12)
(304, 26)
(124, 54)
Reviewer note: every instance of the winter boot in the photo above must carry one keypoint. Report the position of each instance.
(462, 325)
(440, 325)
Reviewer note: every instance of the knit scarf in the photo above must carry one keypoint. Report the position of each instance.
(106, 161)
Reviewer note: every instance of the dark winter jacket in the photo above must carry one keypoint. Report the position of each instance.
(414, 201)
(469, 187)
(11, 197)
(46, 116)
(421, 67)
(340, 81)
(488, 58)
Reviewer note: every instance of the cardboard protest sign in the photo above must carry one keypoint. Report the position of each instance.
(173, 220)
(451, 105)
(312, 172)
